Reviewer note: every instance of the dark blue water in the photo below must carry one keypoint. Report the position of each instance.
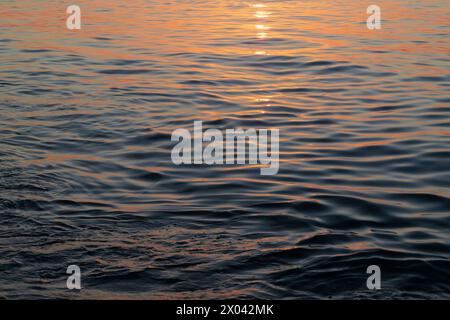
(86, 176)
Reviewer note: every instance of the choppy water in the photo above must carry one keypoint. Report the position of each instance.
(86, 176)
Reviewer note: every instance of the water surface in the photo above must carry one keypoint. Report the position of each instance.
(86, 176)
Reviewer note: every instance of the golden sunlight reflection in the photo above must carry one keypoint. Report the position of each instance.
(261, 53)
(262, 35)
(262, 29)
(262, 14)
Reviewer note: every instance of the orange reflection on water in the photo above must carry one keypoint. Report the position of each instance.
(165, 34)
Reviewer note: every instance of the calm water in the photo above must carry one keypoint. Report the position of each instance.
(86, 176)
